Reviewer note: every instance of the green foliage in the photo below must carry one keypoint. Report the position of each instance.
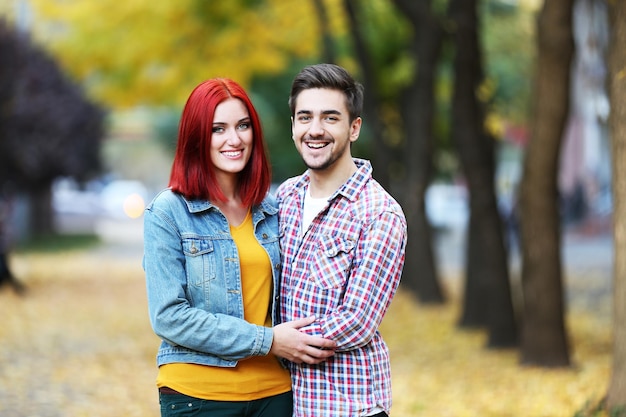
(387, 35)
(146, 52)
(599, 409)
(53, 243)
(508, 38)
(165, 125)
(47, 126)
(154, 53)
(270, 95)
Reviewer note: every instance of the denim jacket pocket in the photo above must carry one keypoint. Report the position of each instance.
(333, 260)
(200, 260)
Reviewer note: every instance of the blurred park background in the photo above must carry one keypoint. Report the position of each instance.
(488, 120)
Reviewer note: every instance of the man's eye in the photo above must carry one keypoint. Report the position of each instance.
(304, 118)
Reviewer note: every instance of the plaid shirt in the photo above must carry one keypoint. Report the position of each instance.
(345, 271)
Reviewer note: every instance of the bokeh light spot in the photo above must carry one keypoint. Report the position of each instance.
(134, 206)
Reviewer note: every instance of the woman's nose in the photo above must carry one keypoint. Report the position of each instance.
(233, 137)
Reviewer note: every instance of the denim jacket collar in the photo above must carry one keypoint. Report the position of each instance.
(267, 206)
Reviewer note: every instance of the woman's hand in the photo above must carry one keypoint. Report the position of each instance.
(298, 347)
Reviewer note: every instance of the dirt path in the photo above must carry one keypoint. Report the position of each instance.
(79, 343)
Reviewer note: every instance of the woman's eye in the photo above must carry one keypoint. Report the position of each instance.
(244, 126)
(217, 129)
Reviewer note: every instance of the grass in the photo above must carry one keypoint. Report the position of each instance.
(80, 344)
(59, 243)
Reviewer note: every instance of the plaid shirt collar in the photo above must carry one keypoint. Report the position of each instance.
(349, 190)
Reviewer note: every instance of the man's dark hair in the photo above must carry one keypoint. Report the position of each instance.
(329, 76)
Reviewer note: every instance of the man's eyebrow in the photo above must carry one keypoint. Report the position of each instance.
(323, 112)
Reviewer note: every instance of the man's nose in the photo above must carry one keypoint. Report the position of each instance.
(316, 127)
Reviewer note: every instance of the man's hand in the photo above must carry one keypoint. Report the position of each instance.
(298, 347)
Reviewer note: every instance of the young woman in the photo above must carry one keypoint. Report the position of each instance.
(212, 263)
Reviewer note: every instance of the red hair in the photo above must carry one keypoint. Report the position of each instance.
(193, 173)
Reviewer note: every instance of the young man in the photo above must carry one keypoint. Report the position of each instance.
(343, 239)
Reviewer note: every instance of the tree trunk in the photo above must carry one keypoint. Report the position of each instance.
(420, 273)
(6, 276)
(417, 108)
(617, 90)
(41, 216)
(417, 104)
(544, 338)
(328, 48)
(382, 155)
(487, 296)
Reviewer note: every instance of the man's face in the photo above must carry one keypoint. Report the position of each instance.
(321, 128)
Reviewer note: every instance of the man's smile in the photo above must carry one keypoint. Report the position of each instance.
(317, 144)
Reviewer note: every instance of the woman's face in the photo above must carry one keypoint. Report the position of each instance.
(231, 137)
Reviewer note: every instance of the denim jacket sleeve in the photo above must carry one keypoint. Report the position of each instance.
(174, 315)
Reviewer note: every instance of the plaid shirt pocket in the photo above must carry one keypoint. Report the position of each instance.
(333, 260)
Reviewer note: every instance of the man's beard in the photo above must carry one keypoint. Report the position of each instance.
(331, 158)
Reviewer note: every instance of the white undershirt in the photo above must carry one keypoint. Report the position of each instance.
(312, 206)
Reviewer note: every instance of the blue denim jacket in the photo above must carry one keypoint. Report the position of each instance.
(194, 283)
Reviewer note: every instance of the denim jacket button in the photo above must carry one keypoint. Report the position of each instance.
(264, 235)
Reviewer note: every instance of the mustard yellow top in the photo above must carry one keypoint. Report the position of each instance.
(252, 378)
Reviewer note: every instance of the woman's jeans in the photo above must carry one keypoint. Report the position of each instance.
(179, 405)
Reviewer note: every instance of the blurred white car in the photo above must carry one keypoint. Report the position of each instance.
(68, 198)
(124, 199)
(447, 206)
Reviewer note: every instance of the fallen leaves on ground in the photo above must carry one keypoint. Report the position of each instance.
(80, 344)
(440, 370)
